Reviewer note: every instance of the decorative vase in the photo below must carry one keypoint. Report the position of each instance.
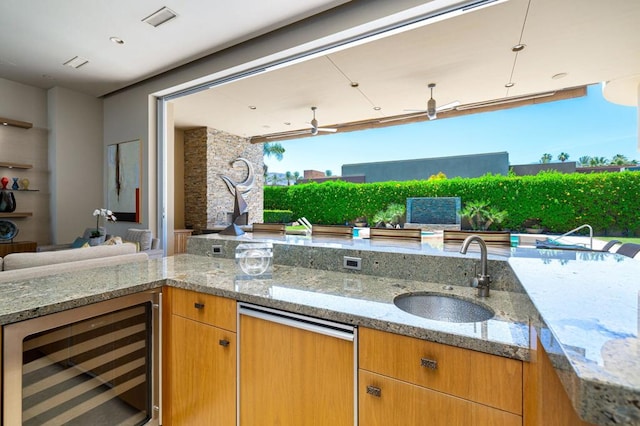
(15, 185)
(96, 241)
(7, 202)
(25, 183)
(4, 181)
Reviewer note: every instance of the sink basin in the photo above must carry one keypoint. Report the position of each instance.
(442, 307)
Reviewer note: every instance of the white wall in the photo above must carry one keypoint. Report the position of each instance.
(27, 146)
(130, 114)
(77, 162)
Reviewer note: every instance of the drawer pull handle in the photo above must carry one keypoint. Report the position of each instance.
(429, 363)
(223, 342)
(372, 390)
(198, 305)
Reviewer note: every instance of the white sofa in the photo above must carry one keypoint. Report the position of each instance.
(22, 266)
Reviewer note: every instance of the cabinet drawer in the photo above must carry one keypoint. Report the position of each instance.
(476, 376)
(206, 308)
(384, 401)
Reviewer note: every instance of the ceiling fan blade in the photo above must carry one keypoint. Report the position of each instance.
(447, 107)
(327, 129)
(286, 134)
(415, 110)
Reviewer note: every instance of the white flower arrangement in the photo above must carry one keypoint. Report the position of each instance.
(107, 214)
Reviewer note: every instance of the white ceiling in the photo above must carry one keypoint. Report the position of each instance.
(39, 36)
(469, 57)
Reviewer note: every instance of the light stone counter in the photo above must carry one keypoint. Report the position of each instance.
(586, 305)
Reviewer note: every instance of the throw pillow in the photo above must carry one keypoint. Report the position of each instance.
(142, 236)
(113, 241)
(79, 242)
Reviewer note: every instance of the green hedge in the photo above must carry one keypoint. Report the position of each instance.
(609, 202)
(277, 216)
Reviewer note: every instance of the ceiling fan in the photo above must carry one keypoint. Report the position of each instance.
(314, 130)
(314, 124)
(433, 110)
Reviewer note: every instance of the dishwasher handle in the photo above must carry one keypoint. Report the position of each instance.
(328, 328)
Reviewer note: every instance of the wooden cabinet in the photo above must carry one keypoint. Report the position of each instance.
(294, 377)
(17, 247)
(180, 237)
(435, 384)
(201, 387)
(546, 402)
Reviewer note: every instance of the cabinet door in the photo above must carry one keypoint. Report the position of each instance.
(203, 374)
(294, 377)
(385, 401)
(479, 377)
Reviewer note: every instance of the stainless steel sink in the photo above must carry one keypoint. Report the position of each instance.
(442, 307)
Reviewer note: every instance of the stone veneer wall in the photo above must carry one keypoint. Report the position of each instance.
(208, 153)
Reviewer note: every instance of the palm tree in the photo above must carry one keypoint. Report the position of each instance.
(619, 160)
(563, 156)
(546, 158)
(268, 150)
(273, 149)
(296, 176)
(598, 161)
(328, 173)
(584, 161)
(289, 176)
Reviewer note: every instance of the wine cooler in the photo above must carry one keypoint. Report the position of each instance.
(97, 364)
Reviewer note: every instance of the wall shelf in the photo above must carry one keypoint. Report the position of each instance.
(14, 165)
(15, 123)
(20, 190)
(16, 214)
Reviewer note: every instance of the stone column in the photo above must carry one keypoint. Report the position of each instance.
(208, 154)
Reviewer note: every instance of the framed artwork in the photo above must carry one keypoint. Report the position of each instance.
(123, 180)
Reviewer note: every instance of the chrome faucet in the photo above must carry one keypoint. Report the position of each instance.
(482, 280)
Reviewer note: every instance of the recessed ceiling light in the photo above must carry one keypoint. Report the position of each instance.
(559, 75)
(160, 17)
(355, 84)
(287, 123)
(253, 107)
(509, 84)
(518, 47)
(377, 108)
(116, 40)
(76, 62)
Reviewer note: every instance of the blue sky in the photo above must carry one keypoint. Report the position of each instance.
(588, 125)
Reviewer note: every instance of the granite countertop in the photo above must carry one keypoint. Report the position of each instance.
(585, 306)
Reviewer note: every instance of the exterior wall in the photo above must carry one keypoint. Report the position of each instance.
(534, 169)
(313, 174)
(466, 166)
(208, 154)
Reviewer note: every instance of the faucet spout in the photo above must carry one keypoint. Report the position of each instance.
(483, 280)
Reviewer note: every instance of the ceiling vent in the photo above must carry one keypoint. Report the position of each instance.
(76, 62)
(160, 17)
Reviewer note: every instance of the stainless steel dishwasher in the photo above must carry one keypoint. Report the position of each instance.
(294, 369)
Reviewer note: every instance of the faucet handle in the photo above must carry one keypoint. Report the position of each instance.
(474, 282)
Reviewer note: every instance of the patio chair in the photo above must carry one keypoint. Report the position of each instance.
(404, 233)
(628, 249)
(494, 238)
(332, 231)
(269, 228)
